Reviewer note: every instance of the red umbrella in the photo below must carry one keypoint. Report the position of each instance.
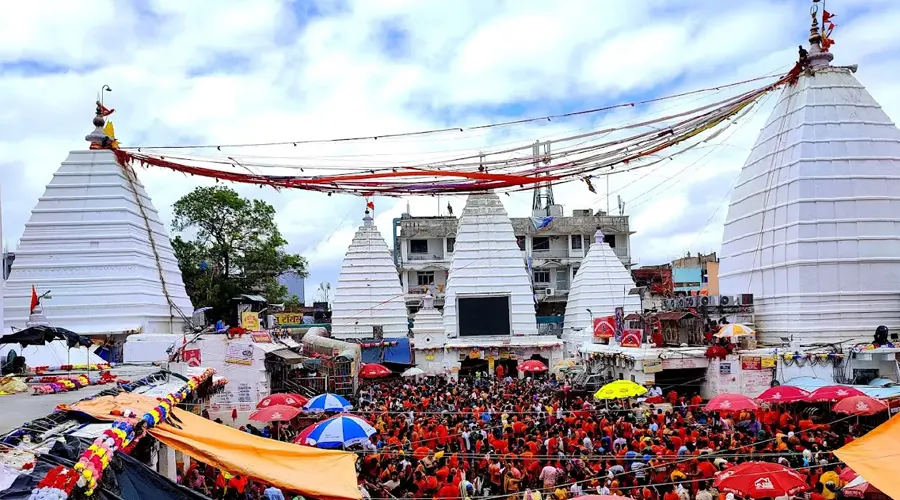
(833, 393)
(533, 366)
(860, 488)
(860, 405)
(285, 398)
(374, 370)
(275, 413)
(760, 480)
(783, 394)
(731, 402)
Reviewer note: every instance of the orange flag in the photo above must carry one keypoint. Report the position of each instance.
(34, 299)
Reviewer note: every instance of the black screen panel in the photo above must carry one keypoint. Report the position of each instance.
(483, 316)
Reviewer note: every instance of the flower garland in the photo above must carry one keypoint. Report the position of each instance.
(67, 368)
(53, 385)
(59, 482)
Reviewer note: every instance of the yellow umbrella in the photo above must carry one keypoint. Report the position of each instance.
(735, 330)
(620, 389)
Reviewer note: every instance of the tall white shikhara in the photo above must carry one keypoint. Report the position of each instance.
(368, 291)
(487, 261)
(87, 242)
(813, 226)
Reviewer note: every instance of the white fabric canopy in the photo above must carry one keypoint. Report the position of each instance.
(53, 353)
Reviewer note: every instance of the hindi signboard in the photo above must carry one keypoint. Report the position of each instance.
(283, 319)
(250, 321)
(751, 363)
(240, 353)
(604, 327)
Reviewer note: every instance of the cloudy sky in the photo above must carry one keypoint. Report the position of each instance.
(235, 71)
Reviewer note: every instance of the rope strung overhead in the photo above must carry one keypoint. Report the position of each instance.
(576, 157)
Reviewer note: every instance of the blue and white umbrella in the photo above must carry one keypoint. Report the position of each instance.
(342, 430)
(327, 402)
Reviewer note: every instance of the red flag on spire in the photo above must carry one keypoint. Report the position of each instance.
(34, 299)
(370, 205)
(826, 17)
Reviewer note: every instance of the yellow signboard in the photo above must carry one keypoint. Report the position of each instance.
(250, 321)
(288, 318)
(429, 357)
(767, 362)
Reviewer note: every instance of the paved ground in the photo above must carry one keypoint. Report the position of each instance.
(16, 409)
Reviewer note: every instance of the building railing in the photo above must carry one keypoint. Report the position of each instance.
(436, 290)
(424, 256)
(553, 253)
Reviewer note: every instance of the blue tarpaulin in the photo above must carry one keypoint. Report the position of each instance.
(398, 353)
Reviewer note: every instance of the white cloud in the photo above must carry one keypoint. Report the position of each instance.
(234, 72)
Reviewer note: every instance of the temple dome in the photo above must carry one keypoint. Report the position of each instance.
(368, 291)
(95, 241)
(813, 223)
(487, 261)
(601, 284)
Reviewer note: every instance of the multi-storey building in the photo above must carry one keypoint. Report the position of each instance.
(553, 247)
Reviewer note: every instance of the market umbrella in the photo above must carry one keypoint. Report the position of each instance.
(282, 398)
(413, 372)
(568, 364)
(760, 480)
(833, 393)
(860, 488)
(783, 394)
(374, 370)
(301, 437)
(735, 330)
(533, 366)
(41, 334)
(340, 431)
(731, 402)
(275, 413)
(860, 405)
(620, 389)
(327, 402)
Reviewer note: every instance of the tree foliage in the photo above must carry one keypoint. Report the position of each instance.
(235, 247)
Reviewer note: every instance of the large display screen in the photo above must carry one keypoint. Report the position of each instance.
(483, 316)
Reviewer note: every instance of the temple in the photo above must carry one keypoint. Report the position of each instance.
(489, 310)
(96, 245)
(811, 229)
(601, 285)
(368, 300)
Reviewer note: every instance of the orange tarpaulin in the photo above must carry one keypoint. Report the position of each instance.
(313, 472)
(874, 456)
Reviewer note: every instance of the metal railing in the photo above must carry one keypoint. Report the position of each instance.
(552, 253)
(418, 257)
(436, 290)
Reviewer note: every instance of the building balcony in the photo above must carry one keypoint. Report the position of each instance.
(436, 290)
(424, 257)
(552, 253)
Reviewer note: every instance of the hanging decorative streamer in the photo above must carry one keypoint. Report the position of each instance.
(492, 171)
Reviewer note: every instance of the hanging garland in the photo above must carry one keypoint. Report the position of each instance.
(60, 482)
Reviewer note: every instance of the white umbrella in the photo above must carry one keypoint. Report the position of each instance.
(413, 372)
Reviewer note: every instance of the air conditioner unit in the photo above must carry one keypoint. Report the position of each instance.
(689, 301)
(713, 300)
(679, 302)
(704, 300)
(736, 300)
(724, 300)
(668, 304)
(549, 292)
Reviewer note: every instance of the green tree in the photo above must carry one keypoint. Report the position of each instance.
(236, 248)
(292, 303)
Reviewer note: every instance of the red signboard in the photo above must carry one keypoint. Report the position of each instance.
(261, 337)
(192, 357)
(604, 327)
(751, 363)
(632, 337)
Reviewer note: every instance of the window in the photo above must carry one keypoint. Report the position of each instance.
(424, 278)
(520, 240)
(576, 242)
(610, 240)
(451, 244)
(418, 246)
(575, 269)
(541, 243)
(542, 276)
